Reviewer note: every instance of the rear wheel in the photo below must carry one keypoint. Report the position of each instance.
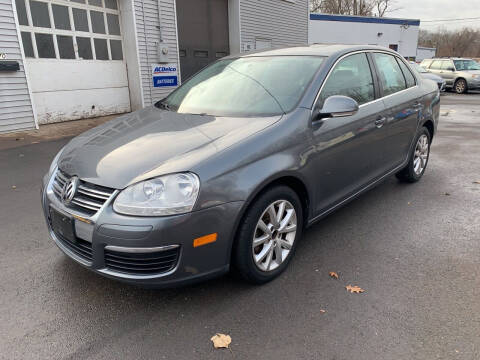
(268, 235)
(460, 86)
(418, 159)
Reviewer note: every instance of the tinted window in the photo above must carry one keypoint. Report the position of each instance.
(80, 19)
(101, 49)
(40, 16)
(45, 45)
(350, 77)
(65, 47)
(116, 49)
(21, 12)
(84, 48)
(27, 44)
(436, 65)
(61, 17)
(113, 25)
(391, 77)
(251, 86)
(407, 73)
(98, 22)
(111, 4)
(466, 65)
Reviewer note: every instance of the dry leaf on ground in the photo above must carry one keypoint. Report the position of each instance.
(333, 274)
(476, 182)
(323, 311)
(221, 340)
(14, 187)
(354, 289)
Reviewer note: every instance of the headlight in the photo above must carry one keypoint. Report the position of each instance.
(165, 195)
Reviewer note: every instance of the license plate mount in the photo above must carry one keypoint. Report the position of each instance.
(62, 224)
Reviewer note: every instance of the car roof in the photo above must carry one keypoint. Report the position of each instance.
(325, 50)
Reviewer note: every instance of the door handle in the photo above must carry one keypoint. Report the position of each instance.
(380, 121)
(417, 105)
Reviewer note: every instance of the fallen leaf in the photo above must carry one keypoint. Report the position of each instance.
(221, 340)
(333, 274)
(354, 289)
(409, 203)
(35, 142)
(20, 138)
(447, 194)
(476, 182)
(14, 187)
(323, 311)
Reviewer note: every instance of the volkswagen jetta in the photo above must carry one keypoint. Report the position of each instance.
(229, 169)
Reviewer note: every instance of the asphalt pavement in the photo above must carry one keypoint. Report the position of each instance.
(414, 248)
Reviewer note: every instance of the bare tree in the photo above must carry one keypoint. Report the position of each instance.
(352, 7)
(463, 42)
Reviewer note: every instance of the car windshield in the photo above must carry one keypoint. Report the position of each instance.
(461, 65)
(419, 68)
(249, 86)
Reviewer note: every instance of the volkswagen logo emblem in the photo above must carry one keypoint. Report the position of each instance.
(69, 190)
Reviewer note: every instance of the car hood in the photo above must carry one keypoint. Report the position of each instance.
(152, 142)
(433, 77)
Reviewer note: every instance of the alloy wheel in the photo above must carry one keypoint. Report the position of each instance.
(274, 235)
(460, 87)
(421, 154)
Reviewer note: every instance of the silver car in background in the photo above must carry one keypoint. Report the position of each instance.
(460, 74)
(424, 73)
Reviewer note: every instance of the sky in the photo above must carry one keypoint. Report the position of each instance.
(439, 10)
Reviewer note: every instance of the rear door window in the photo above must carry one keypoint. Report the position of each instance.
(391, 76)
(407, 73)
(350, 77)
(436, 65)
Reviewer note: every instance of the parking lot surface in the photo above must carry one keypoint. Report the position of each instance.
(414, 248)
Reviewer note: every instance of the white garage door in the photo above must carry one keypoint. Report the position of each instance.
(74, 57)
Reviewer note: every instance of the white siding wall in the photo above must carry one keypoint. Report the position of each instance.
(283, 22)
(15, 105)
(346, 32)
(148, 32)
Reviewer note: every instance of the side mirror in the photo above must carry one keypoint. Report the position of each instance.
(337, 106)
(451, 69)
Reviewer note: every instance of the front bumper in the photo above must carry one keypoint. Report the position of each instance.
(106, 231)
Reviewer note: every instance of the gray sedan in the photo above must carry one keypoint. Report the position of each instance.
(229, 169)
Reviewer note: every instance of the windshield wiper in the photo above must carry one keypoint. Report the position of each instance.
(163, 105)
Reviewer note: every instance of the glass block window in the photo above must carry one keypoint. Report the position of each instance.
(70, 29)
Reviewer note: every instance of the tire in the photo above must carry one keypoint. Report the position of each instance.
(421, 150)
(460, 86)
(281, 242)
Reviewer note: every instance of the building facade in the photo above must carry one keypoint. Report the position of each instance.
(425, 53)
(86, 58)
(400, 35)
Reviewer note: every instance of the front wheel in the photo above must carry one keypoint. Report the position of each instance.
(268, 235)
(418, 159)
(460, 86)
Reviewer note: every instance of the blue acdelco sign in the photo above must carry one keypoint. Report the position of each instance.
(160, 81)
(164, 75)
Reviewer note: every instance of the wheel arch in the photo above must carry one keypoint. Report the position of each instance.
(294, 181)
(430, 127)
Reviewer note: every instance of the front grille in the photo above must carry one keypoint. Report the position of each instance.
(79, 247)
(142, 263)
(89, 197)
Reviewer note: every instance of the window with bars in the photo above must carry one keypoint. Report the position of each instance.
(75, 29)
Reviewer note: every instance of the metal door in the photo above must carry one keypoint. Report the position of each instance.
(202, 33)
